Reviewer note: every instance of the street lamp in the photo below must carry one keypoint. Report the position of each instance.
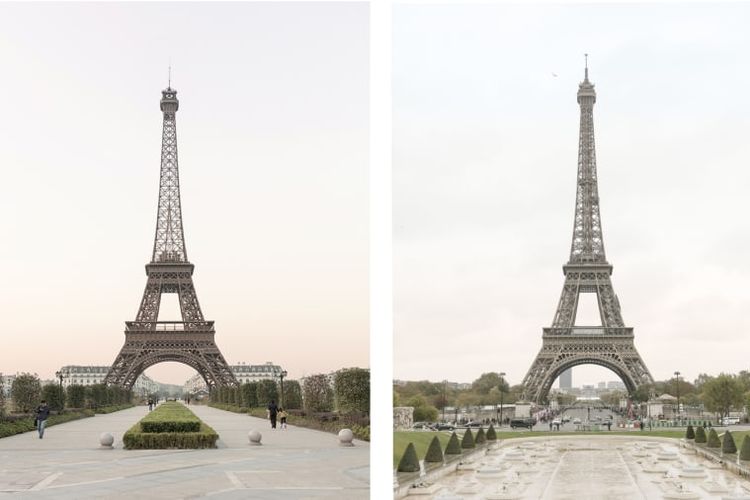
(445, 389)
(60, 375)
(502, 391)
(677, 378)
(282, 374)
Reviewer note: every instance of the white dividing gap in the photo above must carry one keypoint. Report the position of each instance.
(588, 310)
(169, 309)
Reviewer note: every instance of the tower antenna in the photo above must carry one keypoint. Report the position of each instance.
(169, 80)
(587, 65)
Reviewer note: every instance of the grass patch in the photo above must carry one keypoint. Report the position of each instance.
(421, 439)
(113, 408)
(171, 419)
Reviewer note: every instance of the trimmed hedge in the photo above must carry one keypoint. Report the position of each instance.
(690, 433)
(113, 408)
(713, 439)
(491, 434)
(26, 423)
(454, 446)
(171, 425)
(434, 452)
(480, 439)
(727, 444)
(745, 450)
(700, 435)
(170, 417)
(134, 439)
(409, 461)
(468, 440)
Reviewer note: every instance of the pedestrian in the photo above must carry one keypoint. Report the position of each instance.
(272, 413)
(42, 412)
(550, 425)
(282, 417)
(150, 404)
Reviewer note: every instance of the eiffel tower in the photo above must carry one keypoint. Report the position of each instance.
(564, 344)
(147, 340)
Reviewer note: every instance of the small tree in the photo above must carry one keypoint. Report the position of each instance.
(267, 391)
(409, 461)
(54, 395)
(351, 387)
(249, 394)
(713, 439)
(26, 392)
(480, 439)
(700, 435)
(434, 452)
(690, 433)
(745, 449)
(491, 434)
(727, 444)
(468, 440)
(2, 396)
(317, 394)
(292, 395)
(454, 446)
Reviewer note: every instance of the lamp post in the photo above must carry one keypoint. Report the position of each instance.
(445, 389)
(282, 374)
(677, 383)
(60, 375)
(502, 391)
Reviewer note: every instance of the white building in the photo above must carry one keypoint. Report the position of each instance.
(7, 383)
(243, 372)
(90, 375)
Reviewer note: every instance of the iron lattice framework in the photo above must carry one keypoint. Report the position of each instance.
(564, 344)
(147, 340)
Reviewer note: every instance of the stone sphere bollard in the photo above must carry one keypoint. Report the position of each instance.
(254, 437)
(106, 440)
(346, 436)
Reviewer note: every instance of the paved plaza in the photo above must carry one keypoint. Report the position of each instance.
(295, 463)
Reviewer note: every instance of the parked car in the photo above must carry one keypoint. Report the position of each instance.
(576, 421)
(730, 421)
(423, 426)
(522, 422)
(445, 427)
(474, 424)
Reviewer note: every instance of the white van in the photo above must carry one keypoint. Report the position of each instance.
(730, 420)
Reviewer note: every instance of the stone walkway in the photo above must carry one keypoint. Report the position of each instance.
(296, 463)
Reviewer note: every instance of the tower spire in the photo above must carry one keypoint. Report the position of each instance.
(586, 78)
(587, 244)
(169, 241)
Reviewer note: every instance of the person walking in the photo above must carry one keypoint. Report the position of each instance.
(42, 412)
(272, 413)
(150, 404)
(282, 417)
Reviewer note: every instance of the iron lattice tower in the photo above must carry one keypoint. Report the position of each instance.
(564, 344)
(147, 340)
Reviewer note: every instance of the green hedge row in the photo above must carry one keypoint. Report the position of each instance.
(171, 425)
(10, 428)
(134, 439)
(170, 417)
(113, 408)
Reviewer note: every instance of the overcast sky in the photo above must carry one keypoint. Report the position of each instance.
(272, 133)
(485, 157)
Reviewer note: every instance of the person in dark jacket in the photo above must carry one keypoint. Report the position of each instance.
(42, 412)
(272, 412)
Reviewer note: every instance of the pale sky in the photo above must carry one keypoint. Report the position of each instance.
(273, 151)
(485, 158)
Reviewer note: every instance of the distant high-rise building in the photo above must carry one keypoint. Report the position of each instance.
(566, 379)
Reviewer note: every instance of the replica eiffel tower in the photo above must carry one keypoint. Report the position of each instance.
(147, 340)
(564, 344)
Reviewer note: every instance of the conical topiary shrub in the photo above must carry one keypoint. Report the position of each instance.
(491, 434)
(727, 444)
(745, 449)
(480, 439)
(468, 440)
(409, 461)
(454, 446)
(700, 435)
(434, 452)
(713, 439)
(690, 433)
